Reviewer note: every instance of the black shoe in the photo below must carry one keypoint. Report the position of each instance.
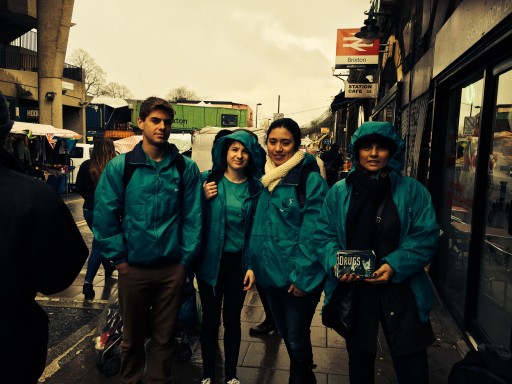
(88, 291)
(263, 329)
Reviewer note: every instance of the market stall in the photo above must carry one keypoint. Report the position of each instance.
(43, 151)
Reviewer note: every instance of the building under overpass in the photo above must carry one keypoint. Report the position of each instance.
(38, 85)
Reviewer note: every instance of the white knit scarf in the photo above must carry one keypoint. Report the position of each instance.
(273, 175)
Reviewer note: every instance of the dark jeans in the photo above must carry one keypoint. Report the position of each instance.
(409, 369)
(293, 316)
(95, 258)
(264, 301)
(229, 288)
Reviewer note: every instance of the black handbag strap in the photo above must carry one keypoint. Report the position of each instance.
(378, 219)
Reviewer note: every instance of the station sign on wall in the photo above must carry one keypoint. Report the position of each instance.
(352, 53)
(362, 90)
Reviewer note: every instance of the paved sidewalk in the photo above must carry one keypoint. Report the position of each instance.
(263, 360)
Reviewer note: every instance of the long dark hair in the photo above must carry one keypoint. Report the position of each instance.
(102, 152)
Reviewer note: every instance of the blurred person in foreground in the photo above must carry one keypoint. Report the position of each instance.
(333, 161)
(224, 272)
(404, 238)
(41, 250)
(280, 250)
(150, 228)
(86, 181)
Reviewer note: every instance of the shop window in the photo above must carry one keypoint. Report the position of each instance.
(494, 304)
(458, 188)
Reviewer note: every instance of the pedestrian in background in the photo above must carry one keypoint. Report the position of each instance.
(280, 248)
(86, 181)
(155, 241)
(224, 273)
(41, 250)
(333, 161)
(404, 239)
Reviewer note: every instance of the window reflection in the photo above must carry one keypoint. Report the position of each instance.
(494, 310)
(459, 185)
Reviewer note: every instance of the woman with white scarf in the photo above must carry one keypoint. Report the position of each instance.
(280, 249)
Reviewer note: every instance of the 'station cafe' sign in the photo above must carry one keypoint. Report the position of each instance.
(366, 90)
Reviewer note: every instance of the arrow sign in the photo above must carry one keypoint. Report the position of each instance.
(351, 52)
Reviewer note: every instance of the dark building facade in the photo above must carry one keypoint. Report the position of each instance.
(445, 81)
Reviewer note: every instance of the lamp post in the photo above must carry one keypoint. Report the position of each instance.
(257, 105)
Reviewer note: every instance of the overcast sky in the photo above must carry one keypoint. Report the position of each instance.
(247, 52)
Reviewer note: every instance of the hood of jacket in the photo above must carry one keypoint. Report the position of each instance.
(250, 142)
(379, 128)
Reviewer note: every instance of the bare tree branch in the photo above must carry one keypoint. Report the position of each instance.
(94, 75)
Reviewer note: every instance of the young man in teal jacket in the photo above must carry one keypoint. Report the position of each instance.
(151, 230)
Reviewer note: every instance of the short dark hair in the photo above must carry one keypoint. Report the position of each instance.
(291, 126)
(224, 153)
(152, 103)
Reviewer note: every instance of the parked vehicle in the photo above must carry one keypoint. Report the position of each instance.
(77, 156)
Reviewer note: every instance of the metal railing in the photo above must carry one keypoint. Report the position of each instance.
(21, 54)
(27, 41)
(14, 58)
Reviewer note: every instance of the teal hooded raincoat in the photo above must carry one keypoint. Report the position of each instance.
(419, 228)
(215, 209)
(281, 251)
(149, 221)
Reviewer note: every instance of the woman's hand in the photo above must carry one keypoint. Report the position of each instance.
(210, 190)
(249, 280)
(381, 275)
(348, 277)
(295, 291)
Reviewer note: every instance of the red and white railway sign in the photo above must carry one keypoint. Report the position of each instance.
(351, 52)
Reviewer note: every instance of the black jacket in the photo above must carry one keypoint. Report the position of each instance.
(41, 248)
(85, 185)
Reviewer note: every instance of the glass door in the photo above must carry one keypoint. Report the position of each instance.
(494, 302)
(458, 185)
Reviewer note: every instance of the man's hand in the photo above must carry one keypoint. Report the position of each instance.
(123, 268)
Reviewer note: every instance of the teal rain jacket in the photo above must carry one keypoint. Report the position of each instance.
(280, 250)
(215, 209)
(419, 229)
(152, 222)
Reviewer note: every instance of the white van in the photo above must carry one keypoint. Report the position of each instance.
(77, 156)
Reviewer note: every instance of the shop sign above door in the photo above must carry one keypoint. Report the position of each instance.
(364, 90)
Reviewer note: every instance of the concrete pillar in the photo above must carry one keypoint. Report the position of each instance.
(53, 24)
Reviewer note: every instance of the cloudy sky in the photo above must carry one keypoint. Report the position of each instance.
(246, 52)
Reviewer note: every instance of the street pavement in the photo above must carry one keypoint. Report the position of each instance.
(263, 360)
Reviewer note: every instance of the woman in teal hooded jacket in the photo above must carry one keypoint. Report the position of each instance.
(280, 250)
(404, 239)
(223, 272)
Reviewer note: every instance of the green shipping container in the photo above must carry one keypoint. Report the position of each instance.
(191, 117)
